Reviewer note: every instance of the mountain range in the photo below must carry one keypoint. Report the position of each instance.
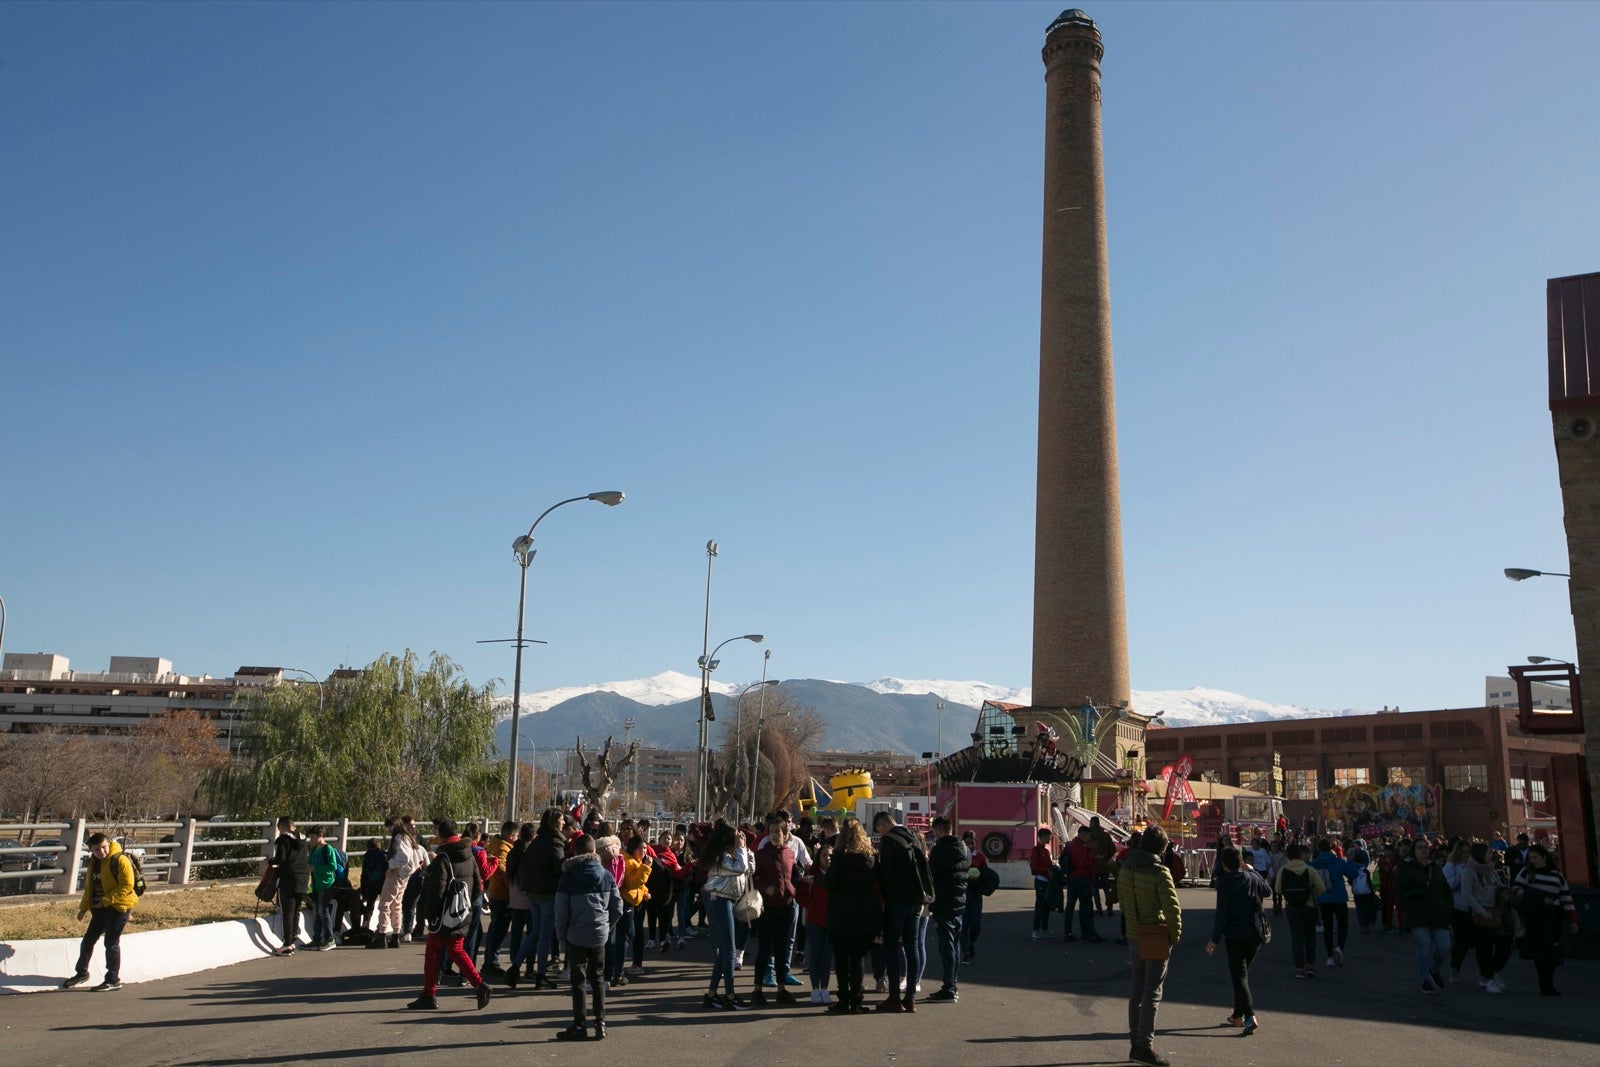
(892, 714)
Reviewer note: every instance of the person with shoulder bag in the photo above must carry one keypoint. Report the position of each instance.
(728, 871)
(1485, 891)
(1149, 900)
(1240, 924)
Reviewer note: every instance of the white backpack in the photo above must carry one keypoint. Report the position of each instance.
(457, 904)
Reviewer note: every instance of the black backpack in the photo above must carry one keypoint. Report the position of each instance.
(1296, 888)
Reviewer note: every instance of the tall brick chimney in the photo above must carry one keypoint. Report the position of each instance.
(1080, 638)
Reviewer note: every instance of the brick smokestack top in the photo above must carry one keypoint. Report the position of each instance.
(1080, 639)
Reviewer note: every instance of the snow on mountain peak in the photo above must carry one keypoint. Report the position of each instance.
(668, 687)
(970, 694)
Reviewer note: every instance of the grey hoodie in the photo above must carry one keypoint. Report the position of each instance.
(587, 902)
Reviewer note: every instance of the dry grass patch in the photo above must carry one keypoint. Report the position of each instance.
(156, 910)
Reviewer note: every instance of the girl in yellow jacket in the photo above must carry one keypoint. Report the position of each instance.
(635, 891)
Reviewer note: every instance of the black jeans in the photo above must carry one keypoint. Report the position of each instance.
(1240, 955)
(587, 964)
(1493, 949)
(847, 953)
(1302, 935)
(1080, 898)
(107, 923)
(1462, 936)
(972, 922)
(947, 929)
(1332, 915)
(289, 905)
(499, 923)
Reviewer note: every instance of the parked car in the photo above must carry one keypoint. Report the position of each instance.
(14, 858)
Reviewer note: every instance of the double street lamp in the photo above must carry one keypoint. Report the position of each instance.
(738, 720)
(709, 663)
(522, 551)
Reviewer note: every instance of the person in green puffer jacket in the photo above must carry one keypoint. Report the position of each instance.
(1147, 895)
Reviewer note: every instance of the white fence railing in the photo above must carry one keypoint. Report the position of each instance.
(54, 856)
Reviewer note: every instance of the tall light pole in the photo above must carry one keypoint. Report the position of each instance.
(2, 624)
(522, 551)
(1522, 574)
(738, 712)
(755, 779)
(938, 729)
(709, 663)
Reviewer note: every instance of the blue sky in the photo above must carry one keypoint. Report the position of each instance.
(311, 309)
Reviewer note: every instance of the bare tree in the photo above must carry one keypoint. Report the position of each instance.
(600, 773)
(777, 772)
(44, 772)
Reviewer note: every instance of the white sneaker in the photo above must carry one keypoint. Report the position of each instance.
(823, 998)
(650, 944)
(1040, 935)
(1494, 985)
(815, 999)
(1455, 976)
(405, 939)
(1338, 957)
(738, 960)
(1483, 983)
(680, 942)
(1329, 963)
(919, 987)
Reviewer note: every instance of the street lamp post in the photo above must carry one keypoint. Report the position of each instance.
(522, 551)
(2, 624)
(1522, 574)
(755, 779)
(938, 729)
(709, 663)
(738, 712)
(314, 678)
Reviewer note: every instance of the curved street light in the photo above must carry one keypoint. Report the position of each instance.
(709, 663)
(2, 624)
(1522, 574)
(738, 709)
(522, 551)
(314, 679)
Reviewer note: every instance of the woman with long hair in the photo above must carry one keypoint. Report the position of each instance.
(855, 913)
(1485, 891)
(728, 866)
(404, 858)
(519, 909)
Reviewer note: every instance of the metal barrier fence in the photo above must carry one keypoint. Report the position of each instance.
(54, 858)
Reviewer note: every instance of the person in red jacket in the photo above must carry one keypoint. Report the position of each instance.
(972, 921)
(1043, 865)
(1078, 864)
(812, 894)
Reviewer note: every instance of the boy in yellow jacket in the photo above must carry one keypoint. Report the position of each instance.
(108, 897)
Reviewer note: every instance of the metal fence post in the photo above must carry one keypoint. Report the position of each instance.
(269, 838)
(184, 855)
(72, 859)
(344, 835)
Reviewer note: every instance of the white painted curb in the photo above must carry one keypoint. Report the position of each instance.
(34, 966)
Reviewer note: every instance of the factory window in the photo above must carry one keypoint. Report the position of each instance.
(1300, 784)
(1350, 776)
(1467, 776)
(1536, 790)
(1256, 781)
(1519, 788)
(1408, 776)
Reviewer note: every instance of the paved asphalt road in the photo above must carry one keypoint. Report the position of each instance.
(1022, 1003)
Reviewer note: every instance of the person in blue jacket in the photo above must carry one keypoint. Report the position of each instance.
(1335, 899)
(1240, 892)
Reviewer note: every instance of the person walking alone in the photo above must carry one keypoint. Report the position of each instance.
(453, 882)
(108, 898)
(1149, 901)
(1239, 896)
(1334, 900)
(291, 858)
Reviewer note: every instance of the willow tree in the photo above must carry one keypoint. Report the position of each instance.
(395, 738)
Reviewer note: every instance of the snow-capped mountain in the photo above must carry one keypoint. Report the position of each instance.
(969, 694)
(668, 687)
(1183, 707)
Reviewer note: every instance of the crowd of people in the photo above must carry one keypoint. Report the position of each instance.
(580, 903)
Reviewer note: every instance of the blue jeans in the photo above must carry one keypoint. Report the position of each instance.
(948, 930)
(517, 920)
(541, 933)
(902, 946)
(775, 941)
(923, 923)
(1041, 906)
(322, 916)
(719, 914)
(819, 956)
(106, 923)
(1433, 949)
(1080, 898)
(499, 919)
(617, 947)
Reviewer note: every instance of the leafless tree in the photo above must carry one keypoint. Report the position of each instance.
(600, 773)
